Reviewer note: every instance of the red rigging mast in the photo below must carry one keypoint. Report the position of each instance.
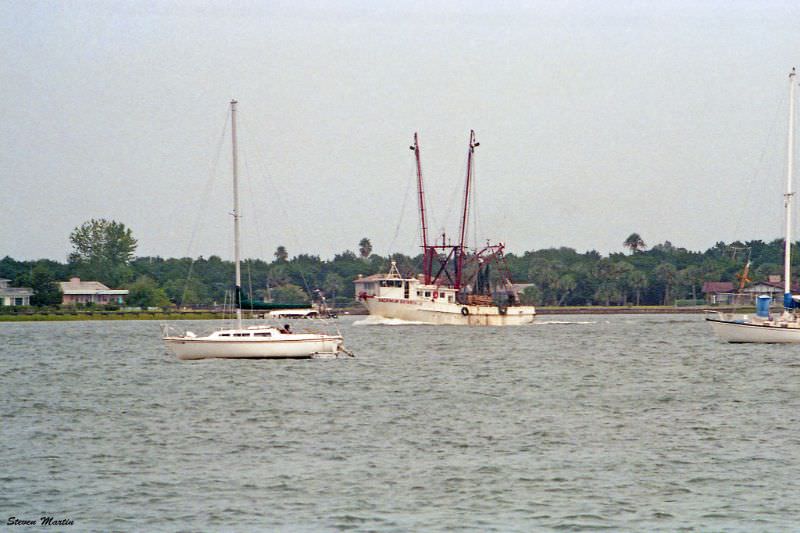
(427, 252)
(448, 254)
(464, 217)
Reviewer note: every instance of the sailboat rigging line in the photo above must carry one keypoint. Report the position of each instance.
(201, 213)
(280, 204)
(263, 172)
(249, 283)
(252, 193)
(400, 219)
(451, 215)
(755, 194)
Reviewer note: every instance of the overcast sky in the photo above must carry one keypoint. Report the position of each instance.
(596, 119)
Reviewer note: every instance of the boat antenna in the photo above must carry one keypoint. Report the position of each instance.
(787, 202)
(426, 251)
(464, 216)
(236, 216)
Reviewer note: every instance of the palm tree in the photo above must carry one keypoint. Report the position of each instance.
(693, 277)
(621, 270)
(566, 283)
(333, 284)
(667, 274)
(634, 243)
(637, 281)
(365, 248)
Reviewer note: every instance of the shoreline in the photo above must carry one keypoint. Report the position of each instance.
(71, 316)
(633, 310)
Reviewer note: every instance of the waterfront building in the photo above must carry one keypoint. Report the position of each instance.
(14, 295)
(76, 291)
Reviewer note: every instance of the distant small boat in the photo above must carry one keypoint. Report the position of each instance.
(256, 342)
(763, 326)
(454, 288)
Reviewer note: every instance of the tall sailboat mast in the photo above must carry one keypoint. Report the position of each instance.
(427, 253)
(236, 216)
(787, 257)
(464, 218)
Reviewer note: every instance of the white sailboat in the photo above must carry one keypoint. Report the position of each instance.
(764, 327)
(257, 342)
(454, 288)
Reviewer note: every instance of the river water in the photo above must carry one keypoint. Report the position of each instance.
(626, 423)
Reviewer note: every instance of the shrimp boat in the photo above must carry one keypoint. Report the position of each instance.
(256, 342)
(455, 286)
(763, 326)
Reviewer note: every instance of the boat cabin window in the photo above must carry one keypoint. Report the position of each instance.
(224, 334)
(263, 334)
(419, 293)
(450, 298)
(241, 334)
(427, 294)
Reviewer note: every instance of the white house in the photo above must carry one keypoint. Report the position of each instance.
(14, 295)
(76, 291)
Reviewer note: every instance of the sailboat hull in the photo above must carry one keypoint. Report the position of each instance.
(186, 348)
(742, 330)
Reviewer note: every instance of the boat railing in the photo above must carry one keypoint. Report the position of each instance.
(734, 298)
(170, 330)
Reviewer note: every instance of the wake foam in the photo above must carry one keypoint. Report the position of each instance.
(375, 320)
(563, 322)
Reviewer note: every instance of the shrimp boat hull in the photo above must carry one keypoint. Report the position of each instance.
(746, 329)
(298, 346)
(451, 314)
(455, 287)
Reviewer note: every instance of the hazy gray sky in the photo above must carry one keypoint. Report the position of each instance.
(596, 119)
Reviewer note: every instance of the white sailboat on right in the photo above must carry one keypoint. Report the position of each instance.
(764, 327)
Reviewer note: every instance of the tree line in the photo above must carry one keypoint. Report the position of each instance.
(659, 275)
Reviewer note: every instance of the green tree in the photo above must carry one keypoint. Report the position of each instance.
(636, 281)
(691, 277)
(531, 295)
(186, 291)
(102, 251)
(566, 285)
(667, 274)
(634, 243)
(281, 255)
(621, 274)
(334, 284)
(145, 293)
(46, 290)
(605, 282)
(289, 294)
(365, 248)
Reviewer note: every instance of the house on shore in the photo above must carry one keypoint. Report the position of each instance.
(722, 292)
(14, 296)
(719, 292)
(76, 291)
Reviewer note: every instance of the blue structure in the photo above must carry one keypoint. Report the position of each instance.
(762, 305)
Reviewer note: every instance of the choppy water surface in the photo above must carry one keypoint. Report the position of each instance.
(636, 423)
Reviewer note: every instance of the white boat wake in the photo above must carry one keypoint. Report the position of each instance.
(562, 322)
(375, 320)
